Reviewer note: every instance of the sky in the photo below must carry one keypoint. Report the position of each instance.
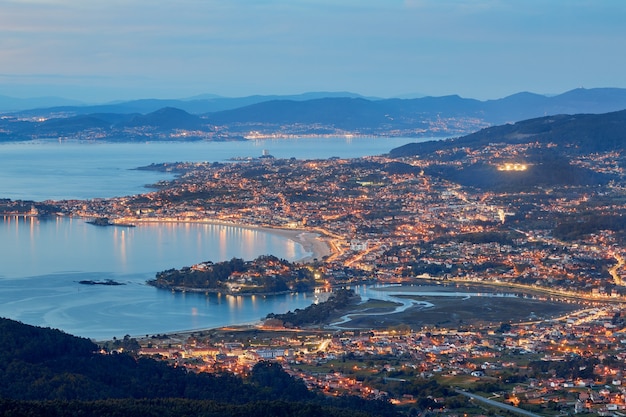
(104, 50)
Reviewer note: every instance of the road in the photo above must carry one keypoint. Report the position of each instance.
(497, 404)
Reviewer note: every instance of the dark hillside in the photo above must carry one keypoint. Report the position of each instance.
(48, 372)
(167, 118)
(580, 133)
(549, 148)
(345, 113)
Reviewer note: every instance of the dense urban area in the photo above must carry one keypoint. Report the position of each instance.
(388, 217)
(491, 217)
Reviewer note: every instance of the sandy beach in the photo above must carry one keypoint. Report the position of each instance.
(312, 242)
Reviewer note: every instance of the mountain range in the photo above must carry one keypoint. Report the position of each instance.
(204, 103)
(217, 118)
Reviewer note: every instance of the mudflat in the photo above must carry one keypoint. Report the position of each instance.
(457, 312)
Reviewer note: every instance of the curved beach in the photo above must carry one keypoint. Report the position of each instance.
(313, 243)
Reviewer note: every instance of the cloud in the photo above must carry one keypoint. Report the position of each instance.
(264, 46)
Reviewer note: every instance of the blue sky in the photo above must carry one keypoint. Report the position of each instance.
(101, 50)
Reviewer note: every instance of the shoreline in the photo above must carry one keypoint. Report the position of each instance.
(444, 304)
(312, 242)
(182, 335)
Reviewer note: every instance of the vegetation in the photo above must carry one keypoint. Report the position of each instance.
(581, 226)
(542, 172)
(549, 148)
(266, 274)
(580, 133)
(577, 367)
(171, 407)
(386, 373)
(48, 372)
(340, 300)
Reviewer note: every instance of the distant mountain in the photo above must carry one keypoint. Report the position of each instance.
(167, 118)
(344, 113)
(305, 114)
(426, 109)
(359, 111)
(427, 116)
(523, 106)
(10, 104)
(127, 107)
(516, 107)
(205, 103)
(430, 116)
(164, 124)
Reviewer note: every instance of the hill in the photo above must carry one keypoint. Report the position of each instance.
(9, 104)
(350, 114)
(167, 123)
(306, 114)
(548, 151)
(48, 372)
(167, 118)
(580, 133)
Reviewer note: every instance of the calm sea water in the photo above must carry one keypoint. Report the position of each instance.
(70, 170)
(41, 261)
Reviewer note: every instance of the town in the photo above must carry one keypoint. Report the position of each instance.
(394, 220)
(387, 217)
(574, 363)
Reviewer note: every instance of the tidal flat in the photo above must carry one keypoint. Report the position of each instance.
(460, 311)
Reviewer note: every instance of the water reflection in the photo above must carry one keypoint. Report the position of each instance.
(43, 261)
(45, 246)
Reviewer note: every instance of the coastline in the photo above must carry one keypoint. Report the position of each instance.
(314, 243)
(180, 336)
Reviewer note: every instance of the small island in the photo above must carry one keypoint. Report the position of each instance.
(104, 221)
(105, 282)
(265, 275)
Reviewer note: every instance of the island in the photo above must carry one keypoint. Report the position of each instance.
(105, 282)
(105, 221)
(264, 275)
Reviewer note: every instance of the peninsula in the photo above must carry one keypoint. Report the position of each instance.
(535, 209)
(537, 205)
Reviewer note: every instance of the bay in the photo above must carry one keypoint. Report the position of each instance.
(51, 170)
(31, 246)
(42, 261)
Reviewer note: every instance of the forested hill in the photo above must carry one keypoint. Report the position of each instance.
(579, 133)
(563, 150)
(48, 372)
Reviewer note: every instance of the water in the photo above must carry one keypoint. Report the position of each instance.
(104, 312)
(44, 260)
(71, 170)
(41, 261)
(32, 247)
